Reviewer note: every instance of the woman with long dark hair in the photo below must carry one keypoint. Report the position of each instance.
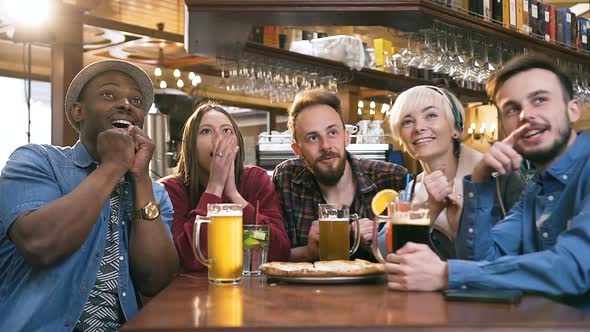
(211, 170)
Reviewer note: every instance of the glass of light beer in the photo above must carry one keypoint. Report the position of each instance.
(407, 222)
(334, 222)
(224, 242)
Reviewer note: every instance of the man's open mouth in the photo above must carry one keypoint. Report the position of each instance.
(532, 133)
(123, 124)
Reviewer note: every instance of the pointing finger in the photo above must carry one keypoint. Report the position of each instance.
(515, 135)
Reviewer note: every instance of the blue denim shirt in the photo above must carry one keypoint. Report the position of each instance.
(543, 244)
(52, 299)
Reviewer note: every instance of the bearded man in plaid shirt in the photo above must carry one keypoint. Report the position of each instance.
(325, 172)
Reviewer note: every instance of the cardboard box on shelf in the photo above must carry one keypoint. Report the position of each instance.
(381, 46)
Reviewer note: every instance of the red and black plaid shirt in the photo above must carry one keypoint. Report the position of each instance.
(300, 194)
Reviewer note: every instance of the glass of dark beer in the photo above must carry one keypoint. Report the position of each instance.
(410, 222)
(406, 222)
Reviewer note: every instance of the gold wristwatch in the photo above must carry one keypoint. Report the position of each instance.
(150, 211)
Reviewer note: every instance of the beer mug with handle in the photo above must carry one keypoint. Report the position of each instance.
(224, 242)
(406, 222)
(334, 222)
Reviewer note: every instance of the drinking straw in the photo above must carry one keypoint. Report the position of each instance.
(408, 178)
(257, 212)
(412, 190)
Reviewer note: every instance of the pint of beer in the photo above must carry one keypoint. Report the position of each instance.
(224, 242)
(334, 222)
(410, 222)
(406, 222)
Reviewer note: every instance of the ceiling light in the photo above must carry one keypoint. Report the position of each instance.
(27, 12)
(196, 80)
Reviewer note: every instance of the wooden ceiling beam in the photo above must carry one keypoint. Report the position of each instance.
(133, 29)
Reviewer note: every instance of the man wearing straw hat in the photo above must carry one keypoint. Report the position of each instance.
(84, 230)
(326, 173)
(542, 244)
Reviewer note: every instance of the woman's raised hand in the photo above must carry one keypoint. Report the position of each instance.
(231, 190)
(441, 195)
(222, 159)
(438, 187)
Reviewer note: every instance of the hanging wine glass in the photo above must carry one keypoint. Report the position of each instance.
(487, 69)
(458, 65)
(442, 68)
(469, 79)
(406, 56)
(427, 59)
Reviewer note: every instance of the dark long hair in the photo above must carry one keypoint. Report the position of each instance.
(187, 169)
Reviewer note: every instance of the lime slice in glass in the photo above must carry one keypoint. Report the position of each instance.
(250, 242)
(260, 235)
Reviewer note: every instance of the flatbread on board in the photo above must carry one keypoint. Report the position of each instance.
(336, 268)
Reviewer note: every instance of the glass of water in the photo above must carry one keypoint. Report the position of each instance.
(256, 238)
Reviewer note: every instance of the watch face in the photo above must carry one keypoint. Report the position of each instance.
(152, 211)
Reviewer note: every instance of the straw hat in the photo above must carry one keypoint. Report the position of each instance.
(89, 72)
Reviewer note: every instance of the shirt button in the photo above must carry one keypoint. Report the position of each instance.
(470, 194)
(545, 234)
(124, 294)
(67, 323)
(125, 192)
(121, 258)
(564, 177)
(464, 287)
(122, 223)
(470, 230)
(550, 198)
(83, 289)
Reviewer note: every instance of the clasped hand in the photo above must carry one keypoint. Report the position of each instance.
(441, 195)
(222, 180)
(130, 149)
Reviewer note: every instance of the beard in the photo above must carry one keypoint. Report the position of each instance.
(543, 156)
(330, 176)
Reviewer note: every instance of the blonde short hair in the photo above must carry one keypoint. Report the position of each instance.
(420, 97)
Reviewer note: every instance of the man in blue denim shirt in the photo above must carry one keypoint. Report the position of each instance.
(543, 243)
(84, 230)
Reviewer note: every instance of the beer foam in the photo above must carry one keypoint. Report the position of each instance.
(225, 213)
(420, 218)
(334, 220)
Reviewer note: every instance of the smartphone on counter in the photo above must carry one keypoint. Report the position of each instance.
(483, 295)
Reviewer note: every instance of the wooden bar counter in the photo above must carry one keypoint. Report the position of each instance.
(190, 303)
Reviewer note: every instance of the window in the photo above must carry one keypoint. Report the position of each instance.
(13, 115)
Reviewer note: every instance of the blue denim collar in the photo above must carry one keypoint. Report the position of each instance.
(564, 168)
(81, 157)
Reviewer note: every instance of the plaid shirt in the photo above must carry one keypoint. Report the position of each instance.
(300, 193)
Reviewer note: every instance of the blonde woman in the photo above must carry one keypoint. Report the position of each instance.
(428, 122)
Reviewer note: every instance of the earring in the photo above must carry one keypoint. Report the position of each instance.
(455, 136)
